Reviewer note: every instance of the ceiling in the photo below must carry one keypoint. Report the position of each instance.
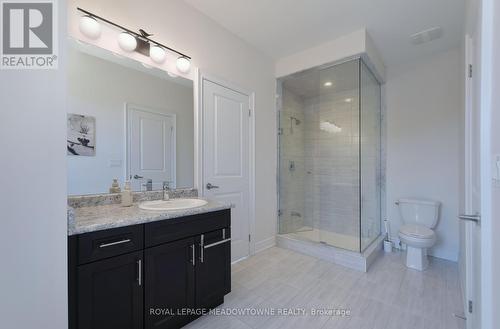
(282, 27)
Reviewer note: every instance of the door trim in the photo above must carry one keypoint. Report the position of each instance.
(128, 107)
(467, 283)
(487, 40)
(202, 76)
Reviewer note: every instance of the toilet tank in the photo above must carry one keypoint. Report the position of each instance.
(423, 212)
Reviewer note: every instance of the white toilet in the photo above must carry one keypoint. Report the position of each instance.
(419, 219)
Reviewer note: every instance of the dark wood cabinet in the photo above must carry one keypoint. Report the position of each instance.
(213, 270)
(157, 275)
(110, 293)
(169, 274)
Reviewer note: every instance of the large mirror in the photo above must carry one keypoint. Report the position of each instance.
(126, 121)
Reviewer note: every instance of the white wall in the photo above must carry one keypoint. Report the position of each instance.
(104, 98)
(33, 270)
(357, 43)
(218, 52)
(423, 128)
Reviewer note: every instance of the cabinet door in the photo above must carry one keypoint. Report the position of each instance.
(169, 274)
(110, 293)
(213, 269)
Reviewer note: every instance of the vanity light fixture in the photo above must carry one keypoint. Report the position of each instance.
(132, 41)
(90, 27)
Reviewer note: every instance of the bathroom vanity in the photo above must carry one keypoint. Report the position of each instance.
(165, 260)
(147, 270)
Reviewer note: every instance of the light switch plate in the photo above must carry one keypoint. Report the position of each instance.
(496, 170)
(114, 163)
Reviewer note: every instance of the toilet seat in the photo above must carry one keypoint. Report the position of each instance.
(417, 236)
(417, 231)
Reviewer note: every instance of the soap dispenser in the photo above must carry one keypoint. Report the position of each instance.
(127, 197)
(115, 186)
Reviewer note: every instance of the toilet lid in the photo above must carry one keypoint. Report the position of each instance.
(418, 231)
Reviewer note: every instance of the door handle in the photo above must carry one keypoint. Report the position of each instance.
(210, 186)
(138, 177)
(473, 218)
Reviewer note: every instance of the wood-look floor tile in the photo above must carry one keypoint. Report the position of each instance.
(388, 296)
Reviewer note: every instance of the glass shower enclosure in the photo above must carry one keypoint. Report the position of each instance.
(329, 168)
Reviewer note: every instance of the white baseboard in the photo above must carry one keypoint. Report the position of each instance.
(265, 244)
(444, 254)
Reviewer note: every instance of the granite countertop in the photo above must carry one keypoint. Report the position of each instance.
(96, 218)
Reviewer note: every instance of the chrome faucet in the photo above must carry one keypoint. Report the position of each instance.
(166, 189)
(149, 185)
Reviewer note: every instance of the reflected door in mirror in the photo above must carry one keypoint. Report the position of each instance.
(151, 148)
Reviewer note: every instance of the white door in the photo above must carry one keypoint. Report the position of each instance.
(150, 148)
(226, 158)
(471, 218)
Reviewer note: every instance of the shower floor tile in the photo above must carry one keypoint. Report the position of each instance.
(388, 296)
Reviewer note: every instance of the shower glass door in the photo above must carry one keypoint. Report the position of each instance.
(293, 186)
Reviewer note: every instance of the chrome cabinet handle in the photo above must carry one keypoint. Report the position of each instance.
(193, 259)
(224, 240)
(210, 186)
(139, 269)
(473, 218)
(202, 247)
(217, 243)
(104, 245)
(138, 177)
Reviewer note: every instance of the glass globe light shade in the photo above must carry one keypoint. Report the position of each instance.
(183, 64)
(90, 27)
(127, 42)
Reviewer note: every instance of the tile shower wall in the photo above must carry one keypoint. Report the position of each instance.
(291, 163)
(319, 163)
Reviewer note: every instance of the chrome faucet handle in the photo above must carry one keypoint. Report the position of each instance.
(148, 185)
(166, 185)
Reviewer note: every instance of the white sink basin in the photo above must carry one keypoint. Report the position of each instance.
(172, 204)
